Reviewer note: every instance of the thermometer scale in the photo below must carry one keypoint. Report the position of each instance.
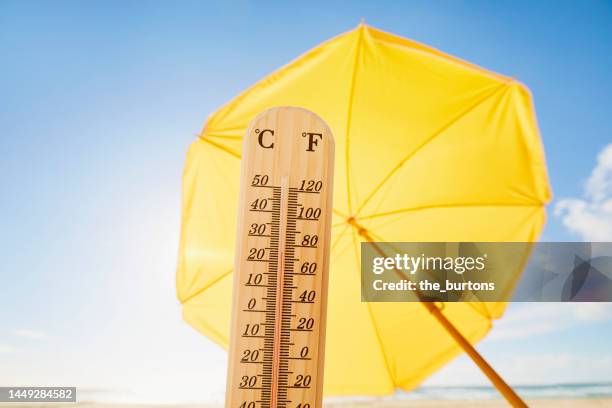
(282, 255)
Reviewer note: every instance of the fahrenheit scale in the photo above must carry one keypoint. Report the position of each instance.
(282, 255)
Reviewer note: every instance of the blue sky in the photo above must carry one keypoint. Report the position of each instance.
(99, 102)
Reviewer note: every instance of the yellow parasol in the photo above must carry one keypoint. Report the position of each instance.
(428, 148)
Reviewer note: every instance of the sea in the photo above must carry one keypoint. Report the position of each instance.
(430, 392)
(551, 391)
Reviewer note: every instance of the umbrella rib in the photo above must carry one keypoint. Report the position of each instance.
(338, 238)
(372, 319)
(206, 287)
(454, 120)
(450, 351)
(349, 115)
(220, 146)
(486, 318)
(471, 304)
(414, 46)
(433, 206)
(339, 213)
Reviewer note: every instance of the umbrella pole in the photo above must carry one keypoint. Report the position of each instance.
(505, 390)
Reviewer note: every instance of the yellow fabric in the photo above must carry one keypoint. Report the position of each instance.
(428, 148)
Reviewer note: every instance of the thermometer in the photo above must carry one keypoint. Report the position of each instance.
(277, 340)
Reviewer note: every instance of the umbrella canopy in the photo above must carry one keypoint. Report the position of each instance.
(428, 148)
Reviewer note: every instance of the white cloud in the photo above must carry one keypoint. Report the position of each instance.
(5, 349)
(29, 334)
(591, 216)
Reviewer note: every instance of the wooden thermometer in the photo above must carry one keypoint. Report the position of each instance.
(282, 255)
